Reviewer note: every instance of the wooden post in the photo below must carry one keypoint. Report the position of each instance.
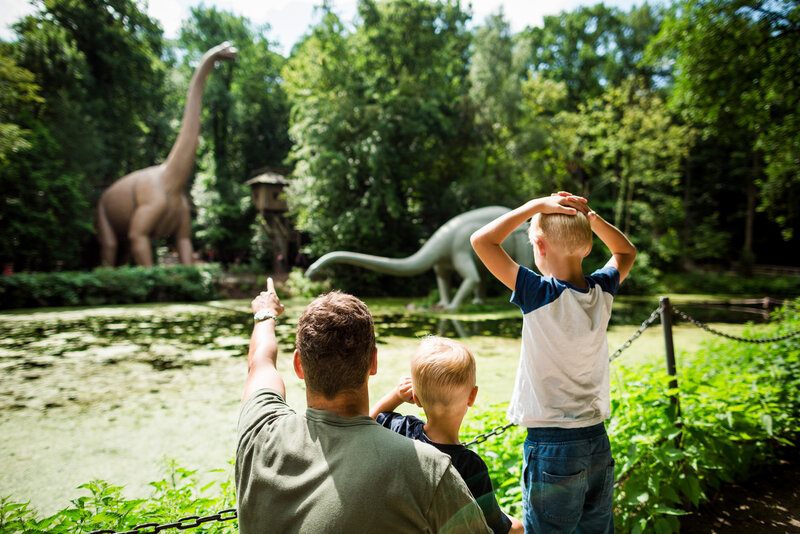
(666, 324)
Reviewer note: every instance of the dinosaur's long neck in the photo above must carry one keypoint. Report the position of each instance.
(181, 158)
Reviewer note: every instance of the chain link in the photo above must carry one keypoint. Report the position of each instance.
(639, 331)
(184, 523)
(707, 328)
(496, 431)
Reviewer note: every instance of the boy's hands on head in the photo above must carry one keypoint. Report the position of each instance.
(564, 202)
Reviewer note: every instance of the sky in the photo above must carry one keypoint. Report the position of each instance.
(289, 19)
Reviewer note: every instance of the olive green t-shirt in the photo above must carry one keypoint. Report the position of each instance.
(318, 472)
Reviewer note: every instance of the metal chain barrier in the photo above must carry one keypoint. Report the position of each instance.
(707, 328)
(639, 331)
(184, 523)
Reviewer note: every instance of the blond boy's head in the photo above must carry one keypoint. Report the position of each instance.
(441, 370)
(569, 234)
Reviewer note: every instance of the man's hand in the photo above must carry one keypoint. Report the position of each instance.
(268, 300)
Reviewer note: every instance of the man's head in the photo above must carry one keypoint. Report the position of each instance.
(442, 370)
(568, 235)
(336, 343)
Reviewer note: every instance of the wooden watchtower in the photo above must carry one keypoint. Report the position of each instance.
(266, 191)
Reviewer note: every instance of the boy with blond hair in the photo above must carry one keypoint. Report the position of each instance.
(442, 382)
(561, 392)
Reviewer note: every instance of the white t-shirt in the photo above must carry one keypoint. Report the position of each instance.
(562, 378)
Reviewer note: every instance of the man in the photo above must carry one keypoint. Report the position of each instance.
(333, 468)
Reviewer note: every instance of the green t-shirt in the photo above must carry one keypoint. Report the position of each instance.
(322, 473)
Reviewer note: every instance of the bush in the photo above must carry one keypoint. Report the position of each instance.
(107, 285)
(731, 284)
(176, 496)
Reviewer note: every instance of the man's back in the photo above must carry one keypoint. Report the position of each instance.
(320, 472)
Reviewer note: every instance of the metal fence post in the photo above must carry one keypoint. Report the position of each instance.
(666, 324)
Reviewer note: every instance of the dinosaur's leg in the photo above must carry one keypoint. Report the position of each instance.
(443, 283)
(183, 240)
(480, 291)
(106, 236)
(464, 264)
(144, 219)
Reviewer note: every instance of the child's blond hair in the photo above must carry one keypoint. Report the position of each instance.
(439, 368)
(571, 233)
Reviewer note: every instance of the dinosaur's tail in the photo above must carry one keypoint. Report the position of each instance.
(414, 264)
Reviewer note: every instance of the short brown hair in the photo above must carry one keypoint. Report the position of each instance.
(572, 233)
(335, 339)
(439, 367)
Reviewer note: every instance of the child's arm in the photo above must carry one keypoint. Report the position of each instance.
(623, 252)
(403, 392)
(487, 240)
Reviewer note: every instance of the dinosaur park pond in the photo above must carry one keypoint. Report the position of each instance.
(114, 393)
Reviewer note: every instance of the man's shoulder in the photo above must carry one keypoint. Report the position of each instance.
(264, 407)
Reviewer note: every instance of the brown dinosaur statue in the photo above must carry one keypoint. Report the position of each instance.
(152, 202)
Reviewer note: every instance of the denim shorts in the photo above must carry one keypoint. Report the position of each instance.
(568, 481)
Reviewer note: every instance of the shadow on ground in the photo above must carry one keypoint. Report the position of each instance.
(767, 503)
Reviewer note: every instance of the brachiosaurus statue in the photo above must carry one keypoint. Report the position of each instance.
(152, 202)
(448, 249)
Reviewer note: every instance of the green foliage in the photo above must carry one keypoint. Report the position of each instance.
(736, 66)
(731, 284)
(737, 401)
(380, 127)
(178, 495)
(244, 127)
(299, 286)
(106, 285)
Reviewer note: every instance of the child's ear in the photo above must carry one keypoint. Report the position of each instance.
(472, 395)
(540, 245)
(415, 399)
(297, 364)
(588, 250)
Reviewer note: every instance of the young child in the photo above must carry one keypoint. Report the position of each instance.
(561, 392)
(442, 381)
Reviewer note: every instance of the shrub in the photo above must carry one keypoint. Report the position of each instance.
(107, 285)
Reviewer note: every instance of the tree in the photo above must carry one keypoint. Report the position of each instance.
(737, 70)
(593, 47)
(382, 126)
(245, 127)
(100, 77)
(18, 93)
(100, 69)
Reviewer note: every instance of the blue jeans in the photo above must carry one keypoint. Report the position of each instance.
(568, 481)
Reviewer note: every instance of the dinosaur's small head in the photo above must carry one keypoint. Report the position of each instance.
(225, 51)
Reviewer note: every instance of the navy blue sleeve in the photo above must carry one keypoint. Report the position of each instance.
(532, 291)
(607, 278)
(406, 425)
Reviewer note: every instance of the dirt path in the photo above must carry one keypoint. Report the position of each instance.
(767, 503)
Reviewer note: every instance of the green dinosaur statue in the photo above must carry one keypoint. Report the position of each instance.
(447, 250)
